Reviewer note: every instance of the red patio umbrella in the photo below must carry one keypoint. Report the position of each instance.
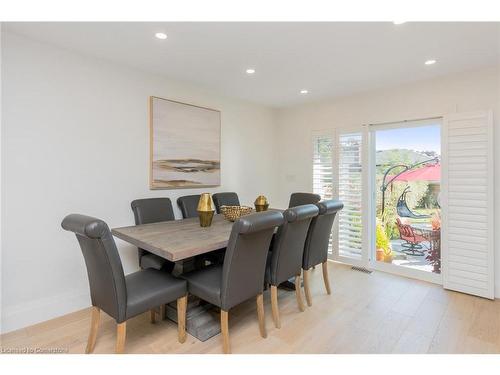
(430, 172)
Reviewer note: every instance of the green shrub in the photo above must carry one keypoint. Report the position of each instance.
(382, 241)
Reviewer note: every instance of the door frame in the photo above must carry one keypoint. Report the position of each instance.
(370, 136)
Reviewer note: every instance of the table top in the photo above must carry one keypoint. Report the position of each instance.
(427, 231)
(424, 227)
(178, 239)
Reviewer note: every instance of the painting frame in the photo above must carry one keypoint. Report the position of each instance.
(153, 184)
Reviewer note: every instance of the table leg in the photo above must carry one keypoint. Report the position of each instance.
(202, 319)
(287, 285)
(183, 266)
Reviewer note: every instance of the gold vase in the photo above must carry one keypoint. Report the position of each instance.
(261, 203)
(205, 202)
(205, 210)
(205, 218)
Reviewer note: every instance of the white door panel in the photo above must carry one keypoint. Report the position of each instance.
(467, 203)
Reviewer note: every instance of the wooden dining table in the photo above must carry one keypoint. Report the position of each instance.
(180, 241)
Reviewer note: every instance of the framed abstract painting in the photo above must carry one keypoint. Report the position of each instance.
(184, 145)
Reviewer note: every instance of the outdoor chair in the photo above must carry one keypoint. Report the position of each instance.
(412, 237)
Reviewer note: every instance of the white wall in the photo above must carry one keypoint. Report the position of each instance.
(76, 139)
(464, 92)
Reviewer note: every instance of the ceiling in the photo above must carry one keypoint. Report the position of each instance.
(328, 59)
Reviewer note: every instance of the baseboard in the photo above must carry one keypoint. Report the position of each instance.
(40, 310)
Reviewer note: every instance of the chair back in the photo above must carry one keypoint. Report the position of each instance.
(299, 199)
(245, 260)
(405, 231)
(104, 267)
(151, 210)
(225, 199)
(318, 236)
(188, 205)
(288, 244)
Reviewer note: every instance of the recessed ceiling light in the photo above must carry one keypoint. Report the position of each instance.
(304, 92)
(250, 71)
(161, 35)
(430, 62)
(398, 22)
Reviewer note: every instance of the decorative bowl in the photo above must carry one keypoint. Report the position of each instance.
(233, 213)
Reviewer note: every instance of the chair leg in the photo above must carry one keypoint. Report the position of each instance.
(324, 265)
(307, 290)
(163, 312)
(274, 306)
(261, 315)
(298, 293)
(224, 327)
(181, 318)
(94, 326)
(121, 333)
(153, 316)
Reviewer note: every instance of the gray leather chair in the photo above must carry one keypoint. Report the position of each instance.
(153, 210)
(225, 199)
(285, 260)
(188, 205)
(318, 238)
(122, 297)
(241, 277)
(299, 199)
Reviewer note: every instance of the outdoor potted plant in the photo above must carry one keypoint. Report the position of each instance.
(436, 221)
(434, 254)
(382, 245)
(388, 254)
(434, 259)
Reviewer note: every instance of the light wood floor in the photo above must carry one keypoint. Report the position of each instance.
(377, 313)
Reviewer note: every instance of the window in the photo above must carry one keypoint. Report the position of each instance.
(350, 182)
(323, 169)
(322, 166)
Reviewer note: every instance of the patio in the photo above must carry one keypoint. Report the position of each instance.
(411, 261)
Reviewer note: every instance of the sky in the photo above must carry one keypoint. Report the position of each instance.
(420, 138)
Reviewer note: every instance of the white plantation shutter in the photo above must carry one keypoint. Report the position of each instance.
(323, 168)
(322, 165)
(467, 203)
(350, 181)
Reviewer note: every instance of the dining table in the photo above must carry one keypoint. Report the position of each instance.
(432, 235)
(179, 241)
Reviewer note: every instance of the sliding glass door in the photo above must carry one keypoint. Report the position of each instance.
(405, 206)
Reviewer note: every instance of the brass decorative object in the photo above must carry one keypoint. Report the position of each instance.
(205, 202)
(233, 213)
(205, 218)
(205, 210)
(261, 203)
